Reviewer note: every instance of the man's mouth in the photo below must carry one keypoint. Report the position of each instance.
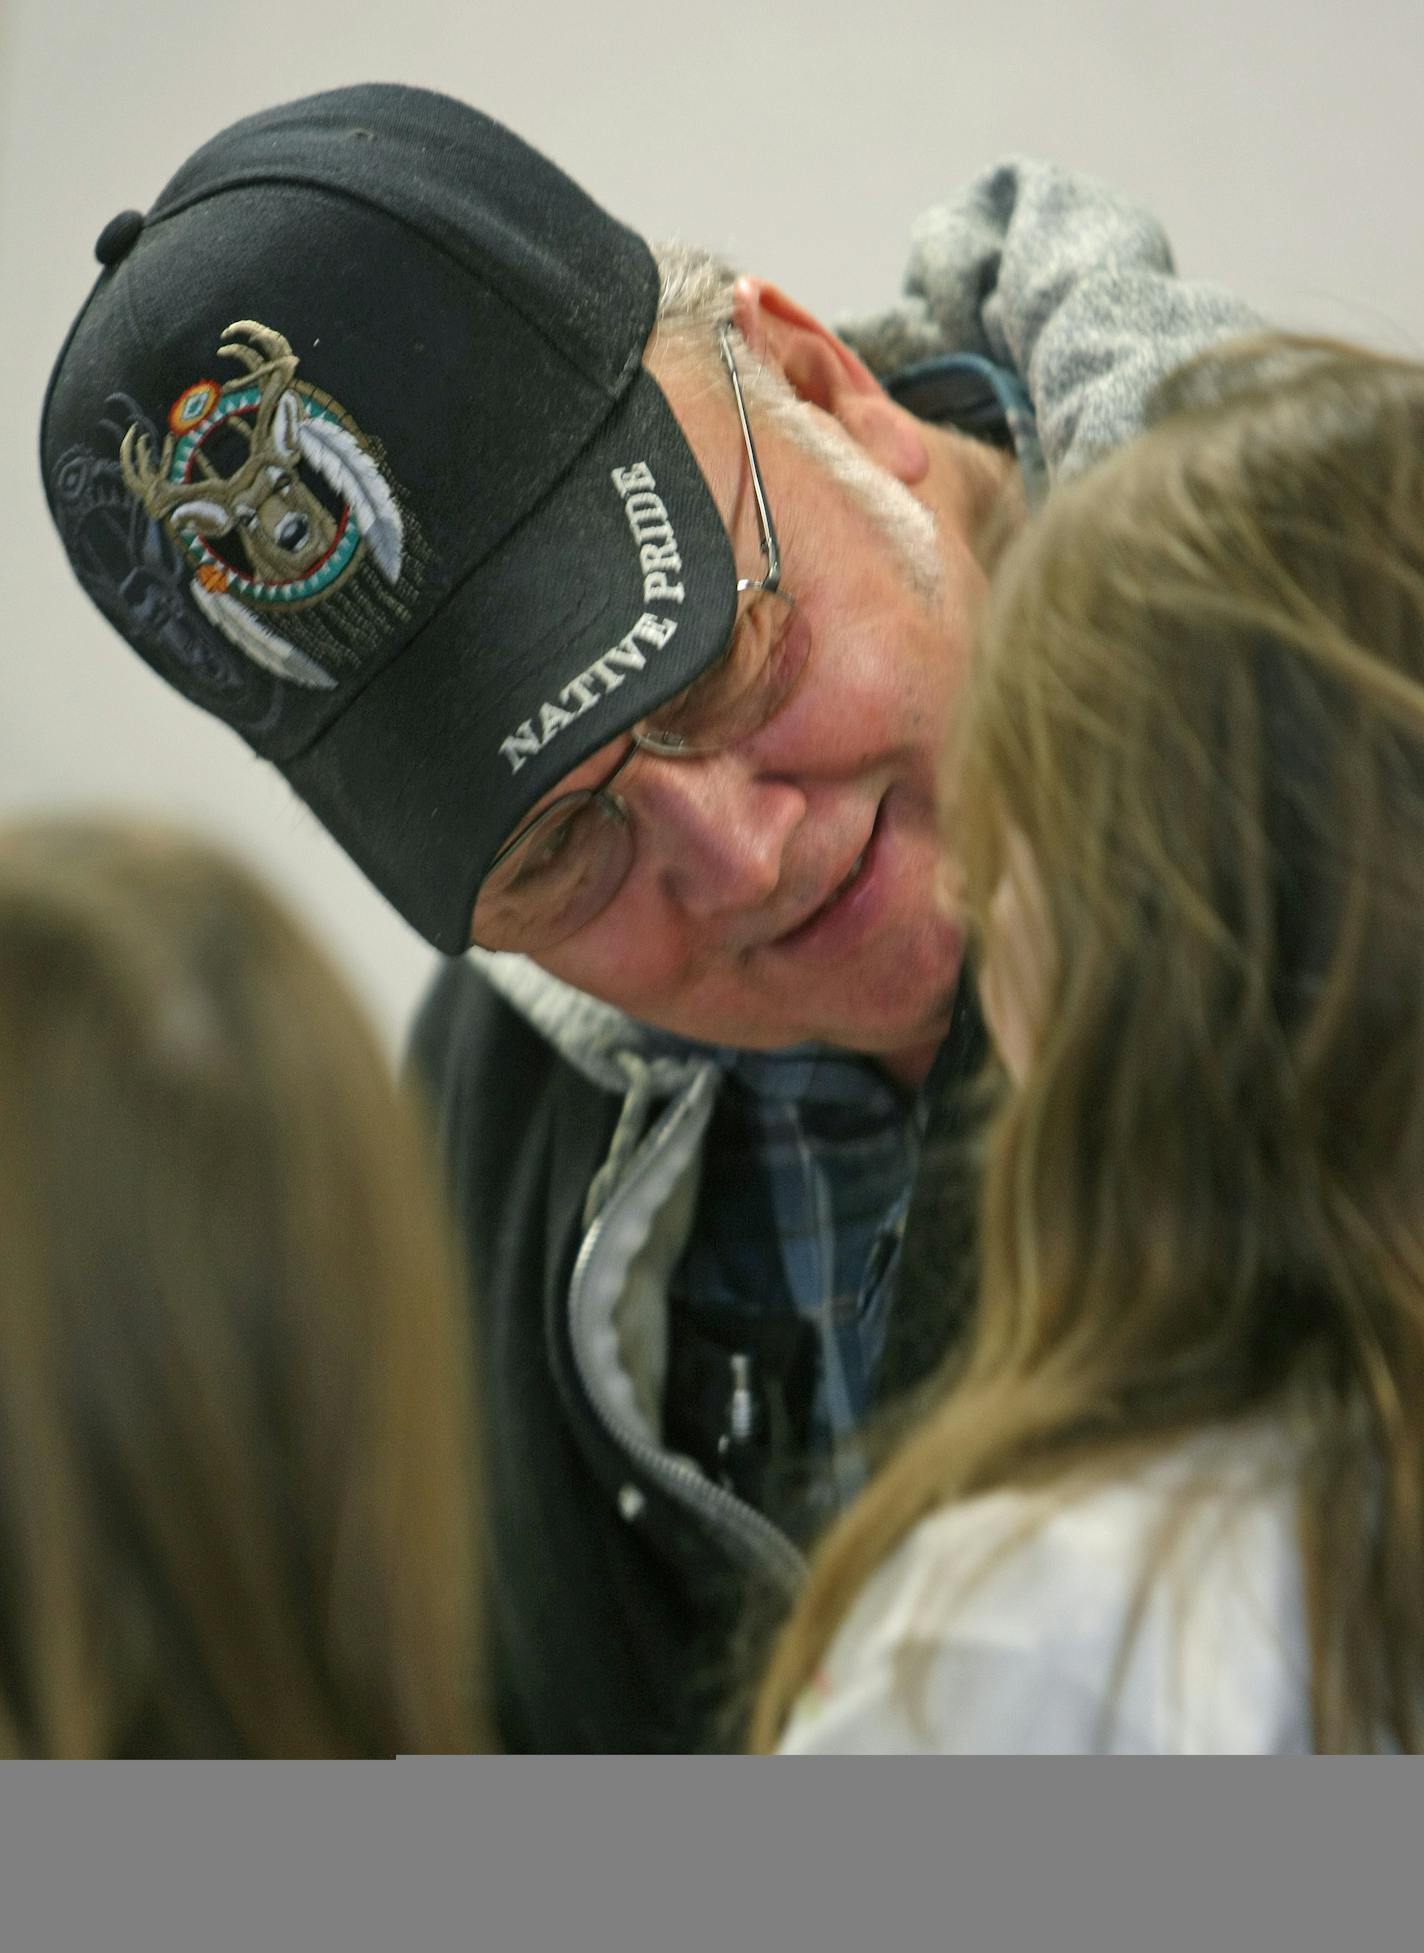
(840, 889)
(810, 925)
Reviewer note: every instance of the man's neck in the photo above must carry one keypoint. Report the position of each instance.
(975, 489)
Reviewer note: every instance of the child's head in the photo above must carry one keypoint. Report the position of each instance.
(235, 1504)
(1189, 809)
(1186, 796)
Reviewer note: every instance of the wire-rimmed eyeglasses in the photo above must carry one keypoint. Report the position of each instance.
(566, 865)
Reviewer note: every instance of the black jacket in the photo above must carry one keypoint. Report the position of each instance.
(621, 1618)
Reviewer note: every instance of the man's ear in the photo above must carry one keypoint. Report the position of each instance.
(824, 371)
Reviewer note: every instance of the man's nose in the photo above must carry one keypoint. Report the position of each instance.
(712, 829)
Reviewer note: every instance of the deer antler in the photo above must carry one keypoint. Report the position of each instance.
(147, 482)
(269, 348)
(270, 360)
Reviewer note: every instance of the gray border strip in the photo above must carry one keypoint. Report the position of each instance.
(673, 1855)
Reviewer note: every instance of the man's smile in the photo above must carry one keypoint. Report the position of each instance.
(842, 917)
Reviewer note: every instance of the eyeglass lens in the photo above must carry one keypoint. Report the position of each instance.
(570, 862)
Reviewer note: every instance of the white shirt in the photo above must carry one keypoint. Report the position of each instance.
(1025, 1661)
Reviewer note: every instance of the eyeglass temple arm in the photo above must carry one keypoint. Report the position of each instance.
(770, 548)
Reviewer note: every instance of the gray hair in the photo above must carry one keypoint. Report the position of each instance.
(694, 302)
(694, 296)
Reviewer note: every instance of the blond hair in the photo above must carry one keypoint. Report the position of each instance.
(1199, 700)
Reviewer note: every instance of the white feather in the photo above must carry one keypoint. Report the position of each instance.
(344, 464)
(263, 646)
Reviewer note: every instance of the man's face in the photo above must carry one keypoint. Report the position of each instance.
(785, 890)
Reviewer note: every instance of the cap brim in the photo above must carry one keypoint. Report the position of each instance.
(539, 657)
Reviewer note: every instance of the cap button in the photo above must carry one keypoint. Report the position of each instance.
(118, 236)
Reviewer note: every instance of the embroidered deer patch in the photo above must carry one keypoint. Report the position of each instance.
(271, 490)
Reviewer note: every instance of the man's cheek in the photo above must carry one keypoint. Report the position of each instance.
(630, 963)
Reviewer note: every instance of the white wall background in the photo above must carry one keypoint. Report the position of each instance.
(1281, 140)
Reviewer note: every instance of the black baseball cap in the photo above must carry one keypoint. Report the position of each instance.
(353, 442)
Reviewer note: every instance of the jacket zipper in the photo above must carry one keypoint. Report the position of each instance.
(757, 1538)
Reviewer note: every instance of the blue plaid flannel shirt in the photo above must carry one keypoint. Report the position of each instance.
(805, 1191)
